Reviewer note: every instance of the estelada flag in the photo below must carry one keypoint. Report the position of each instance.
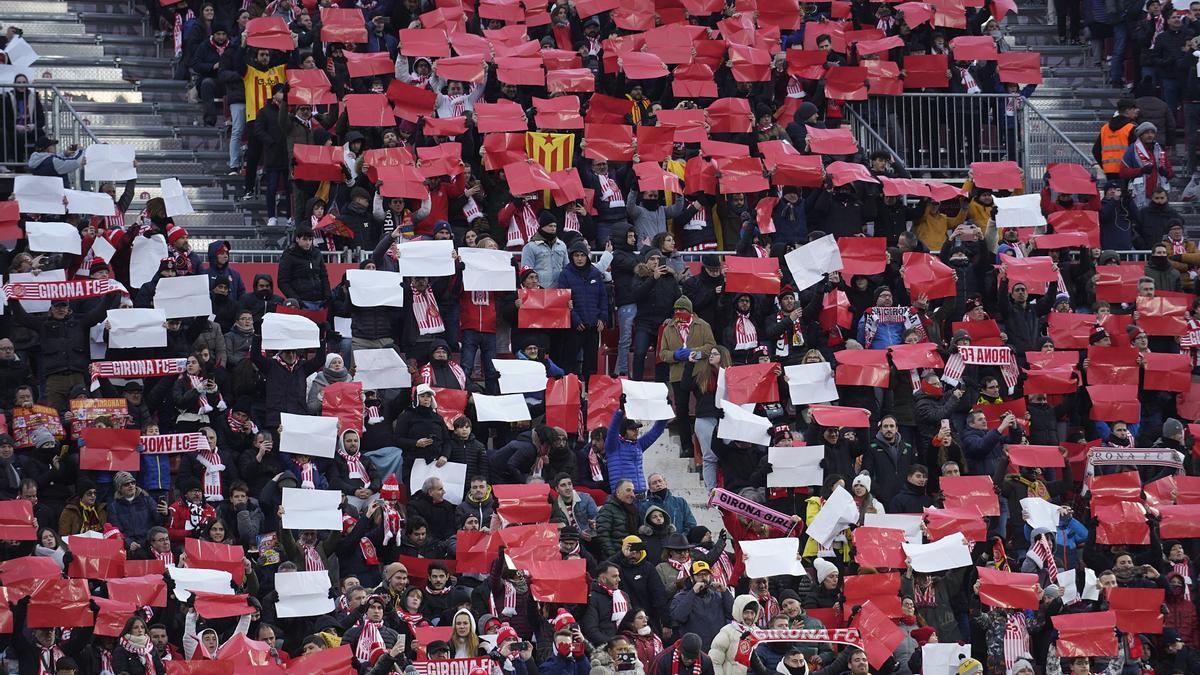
(879, 547)
(879, 633)
(1086, 634)
(752, 275)
(944, 522)
(520, 504)
(16, 521)
(94, 558)
(110, 450)
(554, 152)
(862, 368)
(546, 308)
(1121, 523)
(562, 403)
(148, 590)
(882, 589)
(1010, 590)
(1139, 610)
(754, 383)
(604, 395)
(60, 603)
(559, 581)
(451, 404)
(214, 556)
(970, 493)
(1114, 402)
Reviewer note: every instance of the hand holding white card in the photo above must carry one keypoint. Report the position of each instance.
(39, 194)
(1040, 514)
(646, 401)
(505, 408)
(303, 594)
(375, 288)
(910, 524)
(137, 328)
(305, 509)
(836, 514)
(487, 270)
(107, 162)
(452, 474)
(289, 331)
(738, 425)
(381, 369)
(810, 262)
(188, 579)
(520, 376)
(90, 203)
(796, 467)
(184, 296)
(46, 237)
(1019, 211)
(771, 557)
(947, 553)
(427, 258)
(308, 435)
(810, 383)
(175, 198)
(144, 261)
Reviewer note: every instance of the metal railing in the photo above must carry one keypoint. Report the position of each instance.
(942, 134)
(59, 121)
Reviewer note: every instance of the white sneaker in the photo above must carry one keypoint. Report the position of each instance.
(271, 222)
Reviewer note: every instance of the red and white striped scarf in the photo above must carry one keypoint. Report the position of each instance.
(770, 608)
(238, 427)
(683, 568)
(167, 557)
(392, 522)
(308, 476)
(354, 466)
(1190, 340)
(698, 221)
(745, 333)
(675, 663)
(968, 81)
(1178, 247)
(723, 570)
(47, 658)
(885, 24)
(106, 662)
(1184, 569)
(952, 373)
(177, 30)
(471, 210)
(313, 562)
(213, 466)
(609, 192)
(370, 642)
(874, 316)
(413, 619)
(426, 312)
(460, 375)
(795, 87)
(198, 383)
(522, 226)
(597, 472)
(1042, 551)
(571, 221)
(620, 604)
(925, 595)
(509, 608)
(144, 652)
(685, 328)
(1016, 638)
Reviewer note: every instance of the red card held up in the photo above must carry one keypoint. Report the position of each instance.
(840, 416)
(996, 175)
(1011, 590)
(754, 383)
(752, 275)
(1046, 456)
(970, 493)
(926, 275)
(862, 368)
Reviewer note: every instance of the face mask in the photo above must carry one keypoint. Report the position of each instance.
(264, 293)
(548, 236)
(933, 389)
(563, 648)
(644, 630)
(1159, 262)
(650, 204)
(682, 316)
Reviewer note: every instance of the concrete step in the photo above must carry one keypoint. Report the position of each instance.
(663, 457)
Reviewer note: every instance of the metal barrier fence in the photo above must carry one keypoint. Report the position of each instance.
(53, 116)
(942, 134)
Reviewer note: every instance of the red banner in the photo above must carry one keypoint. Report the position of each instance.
(1121, 523)
(604, 395)
(546, 308)
(752, 275)
(879, 547)
(970, 494)
(519, 504)
(344, 400)
(1087, 634)
(862, 368)
(218, 606)
(144, 590)
(1008, 589)
(16, 521)
(944, 522)
(213, 556)
(110, 450)
(754, 383)
(60, 603)
(1139, 610)
(559, 581)
(563, 403)
(1164, 314)
(96, 558)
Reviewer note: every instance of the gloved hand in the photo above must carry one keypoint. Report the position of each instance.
(622, 399)
(682, 354)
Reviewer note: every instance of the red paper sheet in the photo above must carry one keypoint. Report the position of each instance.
(862, 367)
(928, 276)
(879, 547)
(862, 255)
(970, 493)
(754, 383)
(998, 588)
(996, 175)
(752, 275)
(1045, 456)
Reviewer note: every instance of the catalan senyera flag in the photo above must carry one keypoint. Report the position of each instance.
(555, 152)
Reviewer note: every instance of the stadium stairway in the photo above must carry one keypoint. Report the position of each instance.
(104, 59)
(663, 457)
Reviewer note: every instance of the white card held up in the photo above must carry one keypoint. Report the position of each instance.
(44, 276)
(102, 249)
(738, 425)
(305, 509)
(810, 383)
(810, 262)
(796, 467)
(188, 579)
(90, 203)
(136, 328)
(504, 408)
(452, 474)
(1066, 585)
(289, 331)
(646, 401)
(1019, 211)
(520, 376)
(147, 253)
(909, 523)
(302, 594)
(106, 162)
(183, 296)
(381, 369)
(1041, 514)
(947, 553)
(308, 435)
(375, 288)
(943, 658)
(769, 557)
(427, 258)
(174, 197)
(487, 270)
(836, 514)
(53, 238)
(20, 53)
(39, 194)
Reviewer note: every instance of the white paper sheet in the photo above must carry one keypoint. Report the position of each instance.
(20, 53)
(433, 258)
(738, 425)
(520, 376)
(136, 328)
(1043, 515)
(145, 257)
(453, 475)
(769, 557)
(289, 331)
(1019, 211)
(33, 306)
(505, 408)
(47, 237)
(90, 203)
(173, 196)
(1066, 585)
(183, 296)
(308, 435)
(381, 369)
(107, 162)
(646, 401)
(102, 249)
(810, 383)
(39, 194)
(836, 514)
(910, 523)
(487, 270)
(796, 467)
(375, 288)
(312, 509)
(302, 594)
(810, 262)
(942, 658)
(188, 579)
(947, 553)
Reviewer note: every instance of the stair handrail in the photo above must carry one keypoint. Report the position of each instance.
(1037, 154)
(880, 144)
(67, 126)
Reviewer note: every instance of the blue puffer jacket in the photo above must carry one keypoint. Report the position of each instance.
(589, 297)
(886, 334)
(625, 458)
(135, 517)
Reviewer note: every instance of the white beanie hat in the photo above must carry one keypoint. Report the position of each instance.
(824, 568)
(863, 479)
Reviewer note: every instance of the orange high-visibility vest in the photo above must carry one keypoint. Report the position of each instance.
(1112, 146)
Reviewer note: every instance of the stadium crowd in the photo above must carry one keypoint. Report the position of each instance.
(950, 418)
